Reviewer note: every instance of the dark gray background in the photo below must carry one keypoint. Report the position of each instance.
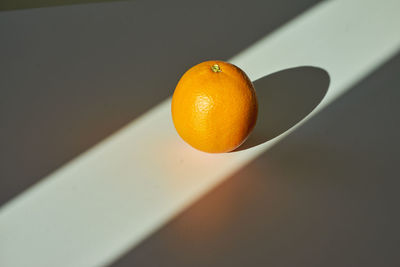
(70, 76)
(325, 196)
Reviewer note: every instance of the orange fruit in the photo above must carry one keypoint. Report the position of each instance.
(214, 107)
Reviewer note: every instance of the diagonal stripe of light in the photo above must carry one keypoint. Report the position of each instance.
(114, 195)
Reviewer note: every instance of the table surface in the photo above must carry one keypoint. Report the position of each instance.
(93, 174)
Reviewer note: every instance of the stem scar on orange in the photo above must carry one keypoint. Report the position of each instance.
(214, 107)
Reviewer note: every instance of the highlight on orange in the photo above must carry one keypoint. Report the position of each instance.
(214, 106)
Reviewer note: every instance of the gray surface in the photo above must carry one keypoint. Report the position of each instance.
(327, 195)
(284, 99)
(70, 76)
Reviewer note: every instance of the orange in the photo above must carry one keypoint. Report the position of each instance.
(214, 107)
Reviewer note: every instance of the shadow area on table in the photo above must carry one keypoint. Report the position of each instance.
(65, 96)
(284, 99)
(324, 196)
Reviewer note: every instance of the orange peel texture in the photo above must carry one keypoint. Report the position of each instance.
(214, 107)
